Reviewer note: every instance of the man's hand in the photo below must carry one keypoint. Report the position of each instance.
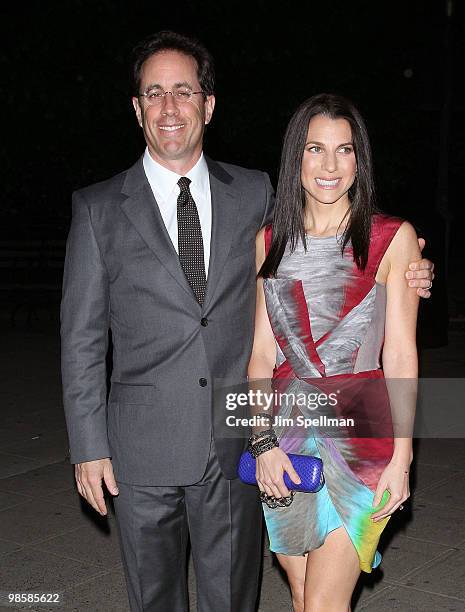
(421, 274)
(89, 476)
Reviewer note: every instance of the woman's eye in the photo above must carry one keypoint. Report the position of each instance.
(346, 150)
(314, 149)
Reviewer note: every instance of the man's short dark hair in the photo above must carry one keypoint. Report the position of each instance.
(172, 41)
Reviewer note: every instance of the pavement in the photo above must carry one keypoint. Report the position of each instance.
(51, 542)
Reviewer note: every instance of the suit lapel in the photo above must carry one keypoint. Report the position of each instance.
(225, 204)
(141, 209)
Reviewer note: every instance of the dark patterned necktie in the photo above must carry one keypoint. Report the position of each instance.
(190, 242)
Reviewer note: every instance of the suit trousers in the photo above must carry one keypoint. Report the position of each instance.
(223, 519)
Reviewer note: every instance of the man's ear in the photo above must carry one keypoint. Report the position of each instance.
(209, 108)
(137, 109)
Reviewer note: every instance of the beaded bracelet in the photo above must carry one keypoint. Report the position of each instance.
(263, 445)
(262, 434)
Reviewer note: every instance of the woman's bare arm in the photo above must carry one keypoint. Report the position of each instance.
(400, 363)
(272, 464)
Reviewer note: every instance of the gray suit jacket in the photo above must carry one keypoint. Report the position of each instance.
(123, 273)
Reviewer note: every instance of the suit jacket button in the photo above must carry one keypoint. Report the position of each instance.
(203, 382)
(204, 322)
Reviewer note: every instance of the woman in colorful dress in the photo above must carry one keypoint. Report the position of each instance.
(332, 305)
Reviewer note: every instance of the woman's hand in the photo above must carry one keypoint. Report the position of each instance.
(395, 479)
(271, 466)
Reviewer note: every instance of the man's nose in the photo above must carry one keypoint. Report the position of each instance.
(169, 106)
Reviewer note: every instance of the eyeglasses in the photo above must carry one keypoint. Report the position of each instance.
(180, 96)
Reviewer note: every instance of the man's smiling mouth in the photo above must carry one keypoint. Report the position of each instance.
(171, 128)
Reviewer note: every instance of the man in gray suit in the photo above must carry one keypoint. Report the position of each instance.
(163, 255)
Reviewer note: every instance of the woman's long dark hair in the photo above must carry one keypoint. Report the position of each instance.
(288, 219)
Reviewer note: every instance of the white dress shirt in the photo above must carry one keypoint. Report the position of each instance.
(164, 184)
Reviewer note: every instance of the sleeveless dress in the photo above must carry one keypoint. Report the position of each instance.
(328, 320)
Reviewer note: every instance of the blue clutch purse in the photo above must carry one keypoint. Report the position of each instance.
(309, 469)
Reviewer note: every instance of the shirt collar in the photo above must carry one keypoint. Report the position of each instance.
(163, 181)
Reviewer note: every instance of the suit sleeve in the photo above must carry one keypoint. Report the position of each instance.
(84, 339)
(269, 202)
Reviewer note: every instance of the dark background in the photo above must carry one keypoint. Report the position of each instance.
(68, 120)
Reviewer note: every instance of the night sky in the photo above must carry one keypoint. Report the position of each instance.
(68, 118)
